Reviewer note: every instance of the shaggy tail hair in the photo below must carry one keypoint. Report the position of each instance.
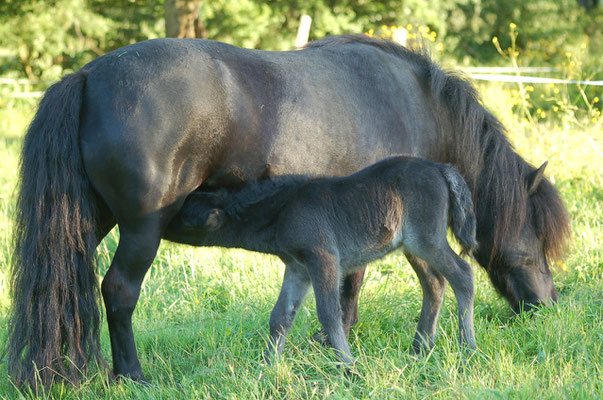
(54, 318)
(462, 216)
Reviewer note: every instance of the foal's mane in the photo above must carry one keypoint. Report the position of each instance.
(270, 193)
(474, 141)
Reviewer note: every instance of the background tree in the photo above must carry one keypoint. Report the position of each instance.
(182, 19)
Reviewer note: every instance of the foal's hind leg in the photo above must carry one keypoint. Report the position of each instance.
(433, 285)
(295, 288)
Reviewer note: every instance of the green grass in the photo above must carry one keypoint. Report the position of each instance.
(202, 320)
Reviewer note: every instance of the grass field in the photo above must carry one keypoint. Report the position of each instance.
(202, 320)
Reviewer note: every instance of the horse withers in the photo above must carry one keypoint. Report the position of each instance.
(327, 228)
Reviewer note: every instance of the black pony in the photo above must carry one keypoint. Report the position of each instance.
(125, 140)
(326, 228)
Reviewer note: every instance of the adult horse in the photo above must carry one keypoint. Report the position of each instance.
(125, 140)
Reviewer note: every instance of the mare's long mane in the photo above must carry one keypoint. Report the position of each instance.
(474, 141)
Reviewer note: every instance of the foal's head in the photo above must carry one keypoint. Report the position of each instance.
(201, 213)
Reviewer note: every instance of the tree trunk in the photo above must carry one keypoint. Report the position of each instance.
(182, 19)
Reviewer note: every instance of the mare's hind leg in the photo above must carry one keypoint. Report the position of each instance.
(137, 247)
(295, 288)
(433, 285)
(441, 258)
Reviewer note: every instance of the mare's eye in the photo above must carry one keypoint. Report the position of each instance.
(522, 259)
(528, 261)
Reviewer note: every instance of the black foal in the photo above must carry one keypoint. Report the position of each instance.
(326, 228)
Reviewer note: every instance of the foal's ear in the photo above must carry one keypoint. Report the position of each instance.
(214, 219)
(535, 177)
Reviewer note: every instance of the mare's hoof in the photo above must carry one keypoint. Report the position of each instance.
(419, 351)
(138, 380)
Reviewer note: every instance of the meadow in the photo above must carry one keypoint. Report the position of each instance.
(201, 323)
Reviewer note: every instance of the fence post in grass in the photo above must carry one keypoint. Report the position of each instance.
(303, 32)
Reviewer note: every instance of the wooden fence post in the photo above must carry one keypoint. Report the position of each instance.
(303, 32)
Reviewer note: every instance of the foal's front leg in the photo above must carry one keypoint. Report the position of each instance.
(324, 270)
(295, 287)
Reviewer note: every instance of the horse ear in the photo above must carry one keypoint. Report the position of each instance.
(214, 219)
(535, 177)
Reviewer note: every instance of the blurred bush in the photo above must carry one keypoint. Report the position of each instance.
(40, 39)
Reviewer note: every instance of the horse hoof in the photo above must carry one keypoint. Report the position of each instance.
(321, 338)
(350, 373)
(138, 380)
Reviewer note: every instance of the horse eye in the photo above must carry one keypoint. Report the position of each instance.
(528, 261)
(522, 259)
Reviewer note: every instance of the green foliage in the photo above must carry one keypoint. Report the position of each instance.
(49, 37)
(44, 38)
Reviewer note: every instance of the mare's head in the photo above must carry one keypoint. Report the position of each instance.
(517, 253)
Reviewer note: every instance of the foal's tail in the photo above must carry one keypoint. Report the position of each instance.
(54, 321)
(462, 216)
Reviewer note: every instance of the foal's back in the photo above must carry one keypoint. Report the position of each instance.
(370, 213)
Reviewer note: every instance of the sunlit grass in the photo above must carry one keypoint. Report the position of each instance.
(202, 320)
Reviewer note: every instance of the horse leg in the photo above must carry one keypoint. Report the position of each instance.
(121, 288)
(105, 221)
(433, 285)
(459, 273)
(350, 291)
(348, 299)
(295, 288)
(323, 269)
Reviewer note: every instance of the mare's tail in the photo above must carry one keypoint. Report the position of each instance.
(462, 216)
(54, 321)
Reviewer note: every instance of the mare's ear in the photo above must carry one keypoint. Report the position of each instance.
(535, 177)
(214, 219)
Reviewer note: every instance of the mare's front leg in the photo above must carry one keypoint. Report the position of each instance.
(324, 270)
(295, 288)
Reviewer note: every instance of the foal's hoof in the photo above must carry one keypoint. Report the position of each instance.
(351, 374)
(321, 338)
